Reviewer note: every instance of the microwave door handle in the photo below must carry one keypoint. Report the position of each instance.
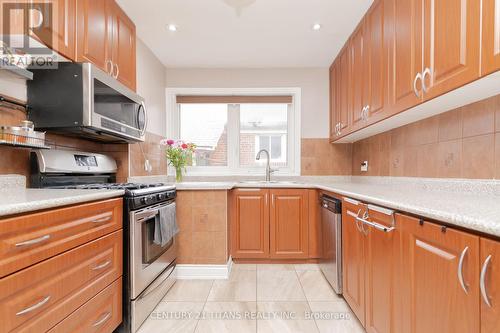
(143, 107)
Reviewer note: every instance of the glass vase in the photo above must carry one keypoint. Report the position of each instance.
(178, 174)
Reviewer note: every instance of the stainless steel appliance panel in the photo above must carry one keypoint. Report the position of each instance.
(331, 224)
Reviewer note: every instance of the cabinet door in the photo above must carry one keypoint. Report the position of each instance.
(250, 224)
(490, 280)
(359, 78)
(406, 54)
(382, 266)
(344, 79)
(289, 224)
(61, 34)
(353, 260)
(441, 274)
(451, 44)
(334, 108)
(490, 47)
(376, 52)
(94, 33)
(124, 47)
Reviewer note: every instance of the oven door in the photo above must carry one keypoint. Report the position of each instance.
(147, 259)
(115, 108)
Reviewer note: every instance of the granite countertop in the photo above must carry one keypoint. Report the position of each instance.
(471, 204)
(22, 200)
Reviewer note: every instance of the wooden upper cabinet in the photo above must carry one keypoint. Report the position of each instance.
(353, 260)
(359, 84)
(61, 35)
(405, 22)
(491, 36)
(94, 33)
(123, 47)
(451, 44)
(376, 41)
(333, 100)
(441, 276)
(249, 226)
(490, 280)
(344, 90)
(289, 224)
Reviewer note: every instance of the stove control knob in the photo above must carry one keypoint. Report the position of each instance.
(160, 196)
(145, 200)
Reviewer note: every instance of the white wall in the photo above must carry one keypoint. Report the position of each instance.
(151, 86)
(314, 83)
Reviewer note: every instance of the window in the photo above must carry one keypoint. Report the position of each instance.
(229, 130)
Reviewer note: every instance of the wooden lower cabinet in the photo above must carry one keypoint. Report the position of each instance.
(40, 296)
(103, 313)
(289, 224)
(440, 276)
(249, 226)
(382, 267)
(490, 278)
(353, 260)
(269, 223)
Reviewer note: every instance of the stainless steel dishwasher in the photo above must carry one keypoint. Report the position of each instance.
(331, 224)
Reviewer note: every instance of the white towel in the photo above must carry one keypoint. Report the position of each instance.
(165, 225)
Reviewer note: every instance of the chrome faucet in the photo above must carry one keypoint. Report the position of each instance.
(269, 170)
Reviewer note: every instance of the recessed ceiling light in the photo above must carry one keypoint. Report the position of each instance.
(172, 27)
(316, 26)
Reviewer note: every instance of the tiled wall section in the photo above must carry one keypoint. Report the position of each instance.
(152, 151)
(202, 219)
(462, 143)
(320, 158)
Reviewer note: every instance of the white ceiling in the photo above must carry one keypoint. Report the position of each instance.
(266, 33)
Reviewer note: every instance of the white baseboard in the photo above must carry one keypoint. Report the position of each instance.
(204, 272)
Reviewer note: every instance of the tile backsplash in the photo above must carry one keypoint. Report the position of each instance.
(462, 143)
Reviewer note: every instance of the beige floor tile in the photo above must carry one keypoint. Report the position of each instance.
(306, 267)
(220, 317)
(316, 287)
(241, 286)
(189, 291)
(244, 267)
(170, 317)
(285, 317)
(335, 317)
(275, 267)
(278, 286)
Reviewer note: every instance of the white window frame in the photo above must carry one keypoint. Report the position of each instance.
(233, 169)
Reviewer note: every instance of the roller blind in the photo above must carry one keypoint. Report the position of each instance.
(233, 99)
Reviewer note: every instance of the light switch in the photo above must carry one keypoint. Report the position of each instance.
(364, 166)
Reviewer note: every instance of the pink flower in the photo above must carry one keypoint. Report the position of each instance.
(170, 142)
(184, 146)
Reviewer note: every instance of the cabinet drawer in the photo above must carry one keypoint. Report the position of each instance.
(38, 297)
(103, 313)
(28, 239)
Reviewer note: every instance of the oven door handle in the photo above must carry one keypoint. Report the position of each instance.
(147, 216)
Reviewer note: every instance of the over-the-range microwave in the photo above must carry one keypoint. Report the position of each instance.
(81, 99)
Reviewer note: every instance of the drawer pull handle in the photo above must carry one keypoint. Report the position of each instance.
(102, 219)
(460, 272)
(34, 307)
(101, 266)
(33, 241)
(101, 321)
(482, 283)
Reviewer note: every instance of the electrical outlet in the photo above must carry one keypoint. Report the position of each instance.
(364, 166)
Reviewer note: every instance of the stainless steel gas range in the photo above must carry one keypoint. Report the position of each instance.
(148, 268)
